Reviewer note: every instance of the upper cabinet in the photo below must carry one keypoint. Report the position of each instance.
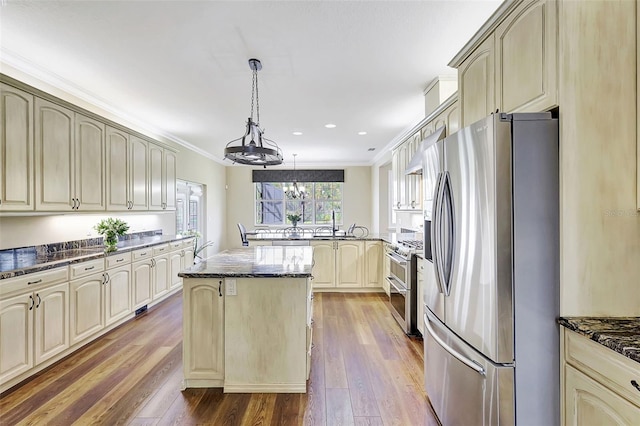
(526, 49)
(59, 158)
(16, 145)
(513, 65)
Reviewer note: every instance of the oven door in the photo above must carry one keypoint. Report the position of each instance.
(398, 298)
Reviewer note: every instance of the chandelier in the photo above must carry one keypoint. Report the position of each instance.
(255, 149)
(294, 191)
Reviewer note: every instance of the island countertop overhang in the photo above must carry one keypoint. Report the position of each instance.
(255, 262)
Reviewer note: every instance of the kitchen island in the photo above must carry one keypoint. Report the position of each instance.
(247, 320)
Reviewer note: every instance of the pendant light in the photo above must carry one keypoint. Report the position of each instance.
(294, 191)
(255, 149)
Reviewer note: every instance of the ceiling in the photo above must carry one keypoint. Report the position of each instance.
(179, 68)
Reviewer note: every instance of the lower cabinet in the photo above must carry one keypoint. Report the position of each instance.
(176, 260)
(86, 306)
(373, 264)
(420, 295)
(160, 273)
(599, 384)
(141, 283)
(117, 294)
(339, 264)
(33, 328)
(203, 333)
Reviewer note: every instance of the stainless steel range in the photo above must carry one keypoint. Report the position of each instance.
(403, 282)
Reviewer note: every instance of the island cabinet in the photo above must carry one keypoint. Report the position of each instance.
(600, 386)
(16, 163)
(203, 332)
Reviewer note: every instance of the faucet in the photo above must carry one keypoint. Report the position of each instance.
(333, 223)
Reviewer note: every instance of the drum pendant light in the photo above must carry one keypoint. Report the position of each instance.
(255, 149)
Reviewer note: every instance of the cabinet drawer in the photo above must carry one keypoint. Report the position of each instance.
(142, 254)
(117, 260)
(37, 279)
(86, 268)
(606, 366)
(175, 245)
(161, 249)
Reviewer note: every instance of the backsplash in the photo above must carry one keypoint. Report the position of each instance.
(47, 249)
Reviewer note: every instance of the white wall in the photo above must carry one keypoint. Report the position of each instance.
(356, 199)
(42, 229)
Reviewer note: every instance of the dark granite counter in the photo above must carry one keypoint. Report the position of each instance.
(309, 236)
(255, 262)
(27, 260)
(621, 334)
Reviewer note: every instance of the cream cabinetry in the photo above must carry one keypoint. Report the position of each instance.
(476, 83)
(338, 264)
(117, 288)
(127, 162)
(386, 265)
(160, 279)
(203, 333)
(420, 294)
(34, 325)
(513, 65)
(598, 384)
(406, 188)
(162, 178)
(526, 52)
(17, 147)
(69, 159)
(373, 264)
(86, 301)
(141, 277)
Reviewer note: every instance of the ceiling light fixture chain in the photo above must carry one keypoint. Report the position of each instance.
(254, 152)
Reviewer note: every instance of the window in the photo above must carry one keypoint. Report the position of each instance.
(189, 207)
(321, 201)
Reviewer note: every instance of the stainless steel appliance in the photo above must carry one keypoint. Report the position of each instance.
(402, 283)
(491, 339)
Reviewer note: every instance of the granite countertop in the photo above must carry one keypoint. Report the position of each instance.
(255, 262)
(307, 235)
(23, 261)
(621, 334)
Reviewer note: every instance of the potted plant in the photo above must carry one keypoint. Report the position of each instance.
(111, 229)
(198, 248)
(294, 218)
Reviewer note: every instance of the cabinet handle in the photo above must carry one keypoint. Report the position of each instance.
(153, 263)
(108, 277)
(398, 205)
(78, 206)
(39, 300)
(181, 253)
(89, 268)
(635, 385)
(220, 288)
(35, 282)
(143, 254)
(413, 204)
(32, 302)
(119, 260)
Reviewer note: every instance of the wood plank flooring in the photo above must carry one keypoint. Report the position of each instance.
(364, 371)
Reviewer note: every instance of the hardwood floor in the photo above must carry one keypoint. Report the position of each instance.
(364, 371)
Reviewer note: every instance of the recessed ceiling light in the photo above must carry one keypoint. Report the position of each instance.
(330, 126)
(362, 133)
(297, 133)
(371, 149)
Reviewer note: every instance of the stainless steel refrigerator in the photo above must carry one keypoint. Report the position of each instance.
(492, 206)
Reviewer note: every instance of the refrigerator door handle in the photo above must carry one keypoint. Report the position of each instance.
(450, 233)
(463, 359)
(436, 233)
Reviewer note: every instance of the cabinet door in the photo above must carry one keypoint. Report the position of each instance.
(419, 296)
(373, 259)
(386, 264)
(203, 347)
(413, 182)
(117, 294)
(141, 281)
(453, 119)
(324, 261)
(155, 177)
(51, 321)
(16, 336)
(161, 280)
(350, 264)
(476, 83)
(86, 307)
(395, 165)
(589, 403)
(176, 259)
(187, 258)
(117, 170)
(526, 49)
(138, 169)
(54, 132)
(403, 154)
(89, 157)
(16, 145)
(169, 180)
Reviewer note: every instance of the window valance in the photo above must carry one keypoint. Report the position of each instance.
(299, 175)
